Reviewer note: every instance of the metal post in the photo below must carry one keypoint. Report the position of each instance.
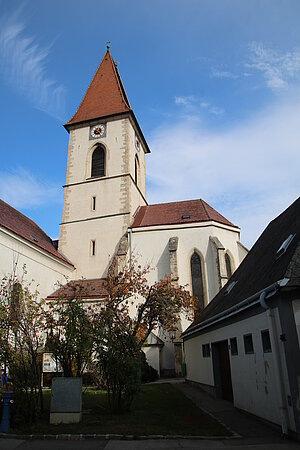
(4, 426)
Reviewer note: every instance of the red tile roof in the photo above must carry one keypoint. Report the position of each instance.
(84, 289)
(17, 223)
(105, 95)
(189, 211)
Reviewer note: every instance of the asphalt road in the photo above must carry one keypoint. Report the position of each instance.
(150, 444)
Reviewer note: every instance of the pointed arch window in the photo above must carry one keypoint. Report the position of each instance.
(98, 162)
(228, 265)
(136, 170)
(197, 280)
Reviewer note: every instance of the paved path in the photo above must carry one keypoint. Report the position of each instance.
(255, 435)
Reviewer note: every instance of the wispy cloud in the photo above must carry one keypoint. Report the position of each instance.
(249, 172)
(187, 101)
(216, 110)
(217, 73)
(192, 104)
(278, 69)
(22, 190)
(24, 66)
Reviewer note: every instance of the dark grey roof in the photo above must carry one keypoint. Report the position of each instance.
(262, 266)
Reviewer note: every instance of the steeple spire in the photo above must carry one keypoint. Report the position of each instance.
(105, 95)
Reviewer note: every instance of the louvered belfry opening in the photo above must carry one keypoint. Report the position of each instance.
(98, 162)
(197, 280)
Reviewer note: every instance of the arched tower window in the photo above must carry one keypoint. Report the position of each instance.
(228, 265)
(136, 170)
(98, 162)
(197, 280)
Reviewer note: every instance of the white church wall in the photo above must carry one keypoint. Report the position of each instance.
(107, 192)
(77, 239)
(253, 375)
(152, 356)
(45, 270)
(139, 246)
(167, 356)
(151, 245)
(242, 251)
(116, 197)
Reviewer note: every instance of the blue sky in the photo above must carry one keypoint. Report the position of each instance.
(215, 85)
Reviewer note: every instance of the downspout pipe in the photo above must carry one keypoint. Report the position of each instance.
(243, 305)
(278, 363)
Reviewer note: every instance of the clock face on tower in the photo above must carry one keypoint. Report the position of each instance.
(97, 131)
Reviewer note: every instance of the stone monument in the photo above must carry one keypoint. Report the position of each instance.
(66, 400)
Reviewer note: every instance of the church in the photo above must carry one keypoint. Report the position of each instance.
(106, 214)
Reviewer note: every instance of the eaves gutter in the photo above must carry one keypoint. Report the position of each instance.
(183, 226)
(236, 309)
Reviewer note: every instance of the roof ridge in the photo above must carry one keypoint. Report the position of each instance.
(205, 209)
(88, 88)
(175, 201)
(139, 214)
(137, 211)
(120, 84)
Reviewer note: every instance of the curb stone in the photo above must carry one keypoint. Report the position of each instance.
(82, 437)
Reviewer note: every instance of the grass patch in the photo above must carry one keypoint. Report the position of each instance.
(158, 409)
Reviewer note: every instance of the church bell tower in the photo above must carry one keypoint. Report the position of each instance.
(105, 179)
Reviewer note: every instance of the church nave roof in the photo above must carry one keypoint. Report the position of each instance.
(188, 211)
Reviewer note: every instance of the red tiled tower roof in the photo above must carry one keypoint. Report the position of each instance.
(17, 223)
(105, 95)
(189, 211)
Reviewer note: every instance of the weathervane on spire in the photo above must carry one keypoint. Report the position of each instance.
(108, 45)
